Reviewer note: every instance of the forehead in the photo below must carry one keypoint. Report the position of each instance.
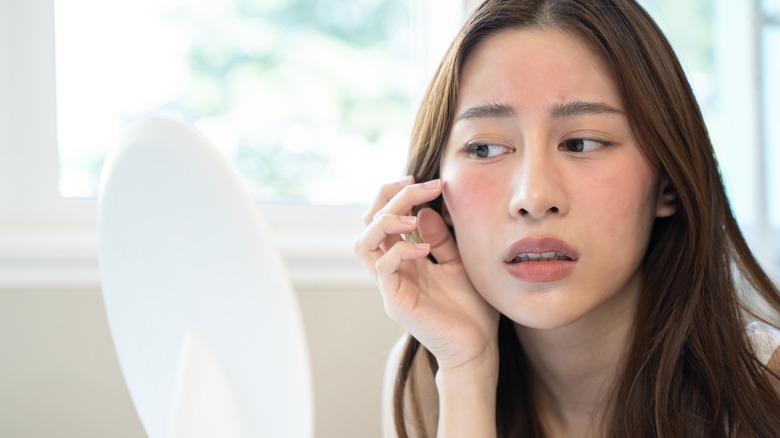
(535, 66)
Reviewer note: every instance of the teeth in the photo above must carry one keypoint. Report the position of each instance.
(537, 257)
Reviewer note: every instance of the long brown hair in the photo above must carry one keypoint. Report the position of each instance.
(690, 370)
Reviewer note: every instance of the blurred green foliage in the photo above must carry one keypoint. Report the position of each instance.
(292, 78)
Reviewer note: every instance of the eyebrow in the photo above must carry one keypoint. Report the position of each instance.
(488, 111)
(557, 111)
(580, 108)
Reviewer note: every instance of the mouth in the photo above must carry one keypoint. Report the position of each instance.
(539, 257)
(535, 250)
(540, 260)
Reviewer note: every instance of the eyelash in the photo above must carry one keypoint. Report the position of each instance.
(472, 147)
(568, 142)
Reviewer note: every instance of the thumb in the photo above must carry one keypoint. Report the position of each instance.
(435, 232)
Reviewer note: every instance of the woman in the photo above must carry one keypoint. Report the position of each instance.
(572, 266)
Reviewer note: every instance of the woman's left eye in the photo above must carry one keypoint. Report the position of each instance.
(581, 145)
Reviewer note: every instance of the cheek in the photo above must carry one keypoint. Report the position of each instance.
(627, 200)
(472, 198)
(637, 195)
(471, 195)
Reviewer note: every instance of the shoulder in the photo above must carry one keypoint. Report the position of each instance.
(766, 344)
(765, 340)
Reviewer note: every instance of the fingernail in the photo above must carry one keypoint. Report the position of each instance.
(432, 184)
(408, 219)
(423, 246)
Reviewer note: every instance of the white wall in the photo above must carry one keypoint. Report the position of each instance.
(59, 376)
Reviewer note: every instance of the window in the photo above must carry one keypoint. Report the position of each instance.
(772, 9)
(723, 50)
(310, 101)
(770, 39)
(48, 240)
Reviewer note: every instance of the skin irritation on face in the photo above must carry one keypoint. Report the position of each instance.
(551, 199)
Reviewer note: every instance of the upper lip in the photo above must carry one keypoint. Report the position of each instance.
(539, 245)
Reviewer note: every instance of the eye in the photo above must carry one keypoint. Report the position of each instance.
(581, 145)
(485, 150)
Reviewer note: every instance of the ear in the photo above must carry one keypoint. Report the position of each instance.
(667, 198)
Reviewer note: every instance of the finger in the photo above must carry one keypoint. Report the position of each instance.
(380, 235)
(411, 196)
(404, 201)
(390, 263)
(386, 193)
(434, 231)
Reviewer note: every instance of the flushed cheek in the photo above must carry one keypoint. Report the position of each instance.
(472, 194)
(475, 205)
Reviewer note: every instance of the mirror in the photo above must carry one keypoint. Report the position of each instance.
(205, 322)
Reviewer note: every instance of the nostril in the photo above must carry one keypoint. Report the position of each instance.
(524, 212)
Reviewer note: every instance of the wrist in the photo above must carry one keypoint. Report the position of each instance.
(481, 366)
(476, 378)
(471, 383)
(467, 401)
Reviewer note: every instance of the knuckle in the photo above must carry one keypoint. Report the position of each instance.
(407, 190)
(382, 218)
(388, 187)
(386, 219)
(388, 263)
(369, 215)
(387, 191)
(380, 264)
(358, 245)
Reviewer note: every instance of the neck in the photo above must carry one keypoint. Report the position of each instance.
(574, 368)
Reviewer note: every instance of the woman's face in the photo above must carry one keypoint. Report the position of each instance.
(551, 199)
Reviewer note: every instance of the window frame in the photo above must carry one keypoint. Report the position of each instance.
(740, 64)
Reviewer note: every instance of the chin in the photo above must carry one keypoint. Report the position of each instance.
(539, 322)
(543, 319)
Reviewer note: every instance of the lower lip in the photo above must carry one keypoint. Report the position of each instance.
(541, 272)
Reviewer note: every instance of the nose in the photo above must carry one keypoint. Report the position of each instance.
(537, 188)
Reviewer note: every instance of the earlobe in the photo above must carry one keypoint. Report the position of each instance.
(667, 199)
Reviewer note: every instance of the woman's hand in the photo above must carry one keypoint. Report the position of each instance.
(435, 302)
